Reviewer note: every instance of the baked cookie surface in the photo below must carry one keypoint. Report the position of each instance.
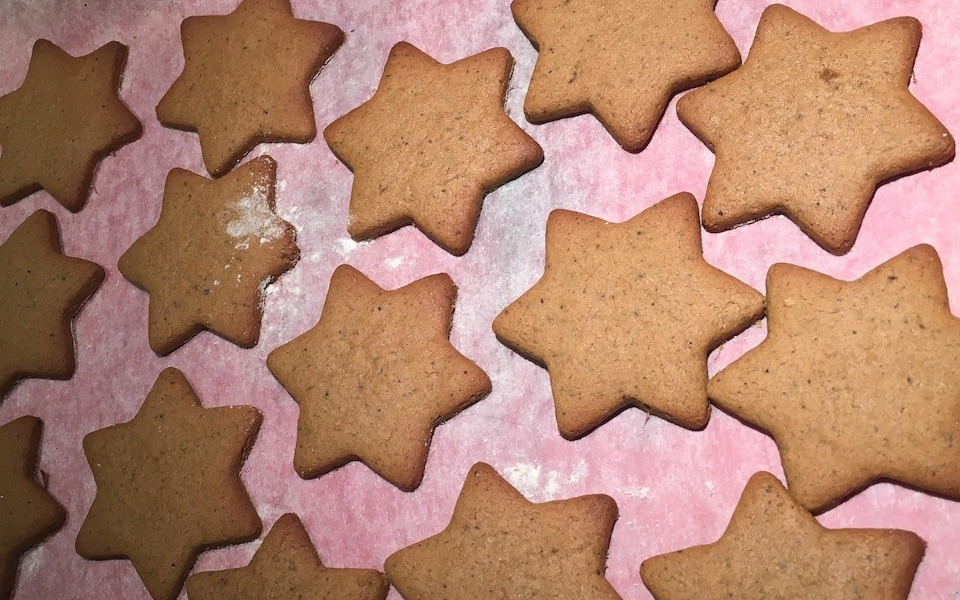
(42, 291)
(626, 314)
(857, 381)
(773, 549)
(375, 375)
(500, 545)
(812, 123)
(208, 260)
(287, 566)
(620, 61)
(28, 513)
(168, 485)
(65, 118)
(246, 79)
(430, 144)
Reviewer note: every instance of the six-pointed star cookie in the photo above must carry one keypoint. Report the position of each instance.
(287, 566)
(857, 381)
(28, 513)
(168, 485)
(246, 79)
(620, 61)
(812, 123)
(775, 550)
(500, 545)
(375, 376)
(208, 260)
(429, 144)
(41, 291)
(626, 314)
(65, 118)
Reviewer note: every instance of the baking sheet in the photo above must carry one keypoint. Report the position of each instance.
(674, 487)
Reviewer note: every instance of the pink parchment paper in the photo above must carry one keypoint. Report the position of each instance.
(674, 487)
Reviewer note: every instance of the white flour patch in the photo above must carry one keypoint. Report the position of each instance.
(31, 561)
(536, 485)
(708, 484)
(634, 492)
(524, 477)
(346, 246)
(393, 263)
(254, 220)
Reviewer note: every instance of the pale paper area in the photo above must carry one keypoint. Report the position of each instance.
(675, 488)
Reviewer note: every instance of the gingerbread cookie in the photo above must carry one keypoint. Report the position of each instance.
(375, 376)
(626, 314)
(65, 118)
(208, 260)
(168, 485)
(857, 381)
(430, 144)
(28, 513)
(500, 545)
(246, 79)
(287, 566)
(620, 61)
(775, 550)
(812, 123)
(42, 291)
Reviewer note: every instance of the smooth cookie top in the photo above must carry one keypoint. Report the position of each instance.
(812, 123)
(626, 314)
(28, 513)
(500, 545)
(375, 375)
(430, 144)
(65, 118)
(42, 291)
(856, 381)
(620, 61)
(246, 79)
(773, 549)
(168, 485)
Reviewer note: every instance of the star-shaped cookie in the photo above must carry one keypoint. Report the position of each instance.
(42, 291)
(812, 123)
(287, 566)
(246, 79)
(430, 144)
(775, 550)
(626, 314)
(65, 118)
(208, 260)
(856, 381)
(375, 375)
(500, 545)
(620, 61)
(28, 513)
(168, 485)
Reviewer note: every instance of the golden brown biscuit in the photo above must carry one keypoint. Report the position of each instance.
(430, 144)
(246, 79)
(626, 314)
(500, 545)
(65, 118)
(208, 260)
(287, 566)
(168, 485)
(857, 381)
(375, 375)
(42, 291)
(28, 513)
(620, 61)
(812, 123)
(773, 549)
